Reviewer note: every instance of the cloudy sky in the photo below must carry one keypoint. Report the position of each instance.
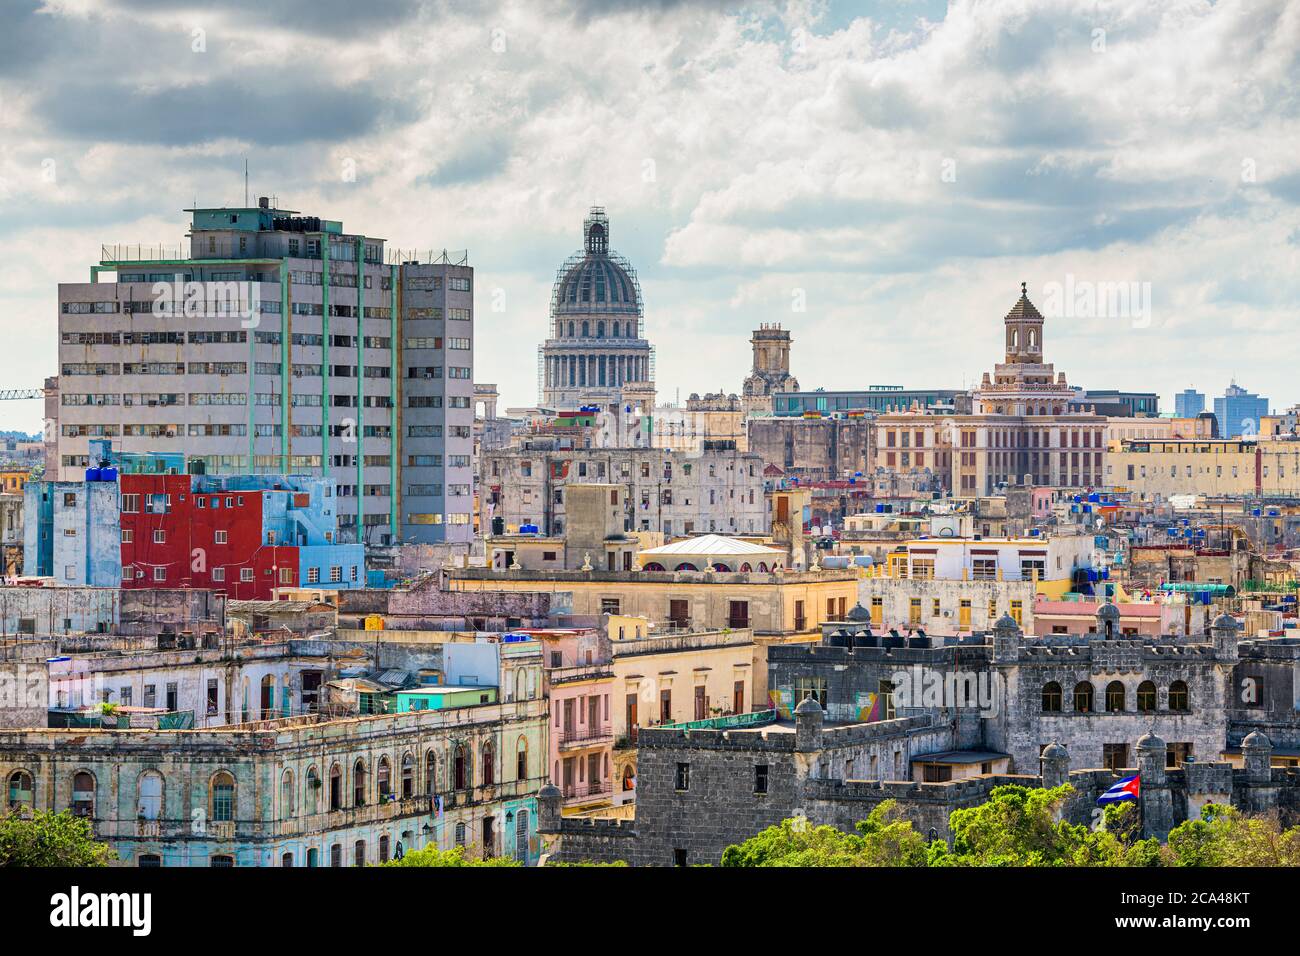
(878, 177)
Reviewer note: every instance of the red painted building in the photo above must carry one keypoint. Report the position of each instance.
(173, 537)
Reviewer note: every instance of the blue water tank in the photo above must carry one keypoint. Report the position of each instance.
(92, 474)
(880, 509)
(108, 474)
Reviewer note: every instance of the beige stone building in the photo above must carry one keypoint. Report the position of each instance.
(771, 371)
(778, 607)
(1021, 430)
(674, 676)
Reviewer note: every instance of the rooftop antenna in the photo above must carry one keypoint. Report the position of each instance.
(245, 182)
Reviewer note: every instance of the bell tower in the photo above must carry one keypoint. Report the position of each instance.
(1024, 329)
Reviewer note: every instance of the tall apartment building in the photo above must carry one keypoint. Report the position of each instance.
(279, 344)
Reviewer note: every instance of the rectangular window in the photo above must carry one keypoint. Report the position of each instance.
(683, 778)
(760, 778)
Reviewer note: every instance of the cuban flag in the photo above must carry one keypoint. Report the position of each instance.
(1127, 789)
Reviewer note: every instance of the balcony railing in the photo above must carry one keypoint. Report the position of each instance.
(586, 736)
(580, 672)
(587, 791)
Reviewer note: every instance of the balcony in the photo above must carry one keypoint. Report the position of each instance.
(583, 792)
(578, 737)
(221, 830)
(581, 672)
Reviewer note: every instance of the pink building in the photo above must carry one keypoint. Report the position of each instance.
(1136, 619)
(579, 681)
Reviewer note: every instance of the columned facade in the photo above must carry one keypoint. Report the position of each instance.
(596, 345)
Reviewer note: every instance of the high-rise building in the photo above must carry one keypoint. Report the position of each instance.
(597, 342)
(1239, 411)
(277, 343)
(771, 371)
(1189, 403)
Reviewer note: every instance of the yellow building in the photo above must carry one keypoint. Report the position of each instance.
(672, 677)
(778, 607)
(1155, 470)
(12, 482)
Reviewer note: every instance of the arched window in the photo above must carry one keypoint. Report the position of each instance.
(430, 773)
(1015, 338)
(461, 765)
(151, 795)
(359, 783)
(460, 834)
(686, 566)
(1146, 697)
(286, 860)
(286, 795)
(570, 330)
(586, 329)
(359, 853)
(312, 795)
(21, 790)
(1052, 697)
(408, 776)
(313, 857)
(336, 788)
(1179, 700)
(385, 779)
(1083, 697)
(1114, 697)
(268, 697)
(519, 685)
(629, 779)
(83, 794)
(653, 566)
(521, 759)
(489, 765)
(745, 568)
(1030, 336)
(600, 330)
(336, 854)
(223, 797)
(383, 848)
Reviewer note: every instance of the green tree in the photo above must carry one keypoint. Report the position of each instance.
(1224, 836)
(432, 856)
(1020, 826)
(884, 838)
(40, 838)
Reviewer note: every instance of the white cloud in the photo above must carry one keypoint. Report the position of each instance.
(741, 154)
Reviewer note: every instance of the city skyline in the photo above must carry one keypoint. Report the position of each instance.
(902, 170)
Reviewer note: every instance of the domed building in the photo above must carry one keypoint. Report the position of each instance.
(596, 346)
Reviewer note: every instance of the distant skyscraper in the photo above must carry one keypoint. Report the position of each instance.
(1238, 411)
(1189, 403)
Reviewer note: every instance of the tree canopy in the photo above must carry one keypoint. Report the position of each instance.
(1022, 826)
(40, 838)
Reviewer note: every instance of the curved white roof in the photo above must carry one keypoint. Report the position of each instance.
(713, 544)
